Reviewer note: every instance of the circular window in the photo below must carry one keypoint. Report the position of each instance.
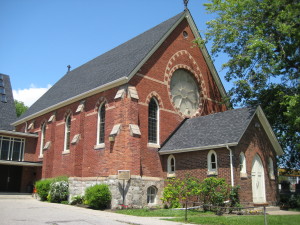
(185, 92)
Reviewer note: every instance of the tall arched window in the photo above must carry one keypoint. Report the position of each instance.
(212, 162)
(153, 122)
(271, 169)
(171, 165)
(67, 133)
(43, 137)
(151, 194)
(101, 125)
(242, 163)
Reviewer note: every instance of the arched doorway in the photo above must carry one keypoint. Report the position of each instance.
(258, 181)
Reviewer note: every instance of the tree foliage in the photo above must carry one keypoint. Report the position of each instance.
(262, 41)
(20, 108)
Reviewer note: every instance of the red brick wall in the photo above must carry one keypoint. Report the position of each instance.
(255, 141)
(128, 152)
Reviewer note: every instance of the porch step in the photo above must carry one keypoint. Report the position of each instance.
(5, 195)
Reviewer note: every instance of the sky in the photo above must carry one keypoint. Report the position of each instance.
(39, 38)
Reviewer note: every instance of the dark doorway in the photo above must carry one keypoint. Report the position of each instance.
(10, 178)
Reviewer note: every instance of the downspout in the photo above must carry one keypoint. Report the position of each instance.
(231, 165)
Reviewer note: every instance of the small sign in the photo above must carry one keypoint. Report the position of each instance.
(123, 174)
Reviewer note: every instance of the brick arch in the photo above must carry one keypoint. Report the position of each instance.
(67, 113)
(158, 98)
(44, 121)
(102, 100)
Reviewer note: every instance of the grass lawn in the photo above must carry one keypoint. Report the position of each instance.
(208, 218)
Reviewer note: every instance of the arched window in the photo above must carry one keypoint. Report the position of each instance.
(101, 125)
(171, 164)
(151, 194)
(67, 133)
(212, 162)
(242, 163)
(271, 168)
(153, 122)
(43, 137)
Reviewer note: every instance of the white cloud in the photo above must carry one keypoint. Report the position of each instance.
(30, 95)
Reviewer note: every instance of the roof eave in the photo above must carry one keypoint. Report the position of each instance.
(18, 134)
(102, 88)
(269, 131)
(167, 152)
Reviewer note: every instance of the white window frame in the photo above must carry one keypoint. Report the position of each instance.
(43, 133)
(271, 168)
(151, 195)
(155, 144)
(243, 168)
(171, 173)
(67, 130)
(212, 171)
(98, 143)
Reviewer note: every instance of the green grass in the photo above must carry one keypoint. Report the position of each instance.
(159, 212)
(209, 218)
(237, 220)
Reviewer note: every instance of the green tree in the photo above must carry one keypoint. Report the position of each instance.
(20, 108)
(262, 41)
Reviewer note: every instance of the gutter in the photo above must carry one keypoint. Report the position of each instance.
(167, 152)
(18, 133)
(231, 166)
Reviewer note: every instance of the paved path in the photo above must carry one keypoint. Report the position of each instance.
(28, 211)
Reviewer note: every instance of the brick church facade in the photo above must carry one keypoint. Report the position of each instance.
(152, 106)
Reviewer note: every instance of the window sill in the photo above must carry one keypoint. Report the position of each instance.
(153, 145)
(66, 152)
(99, 146)
(243, 175)
(212, 173)
(171, 175)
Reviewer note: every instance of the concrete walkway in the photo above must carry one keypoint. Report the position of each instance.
(25, 210)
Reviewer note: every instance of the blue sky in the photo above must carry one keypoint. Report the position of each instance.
(39, 38)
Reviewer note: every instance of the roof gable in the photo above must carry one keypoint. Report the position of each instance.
(216, 130)
(111, 69)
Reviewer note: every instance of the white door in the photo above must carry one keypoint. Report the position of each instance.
(258, 181)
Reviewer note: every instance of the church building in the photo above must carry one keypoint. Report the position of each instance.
(150, 109)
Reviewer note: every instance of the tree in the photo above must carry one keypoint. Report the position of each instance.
(20, 108)
(262, 41)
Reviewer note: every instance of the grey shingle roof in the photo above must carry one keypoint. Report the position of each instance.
(211, 130)
(7, 110)
(108, 67)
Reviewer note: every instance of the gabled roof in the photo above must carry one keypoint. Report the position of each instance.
(111, 69)
(7, 110)
(217, 130)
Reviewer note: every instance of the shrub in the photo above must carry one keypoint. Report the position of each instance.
(78, 199)
(180, 190)
(98, 196)
(59, 191)
(43, 188)
(214, 191)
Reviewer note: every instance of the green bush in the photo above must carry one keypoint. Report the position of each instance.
(179, 191)
(77, 200)
(214, 191)
(98, 196)
(59, 191)
(43, 188)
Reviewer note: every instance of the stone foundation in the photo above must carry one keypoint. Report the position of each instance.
(135, 189)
